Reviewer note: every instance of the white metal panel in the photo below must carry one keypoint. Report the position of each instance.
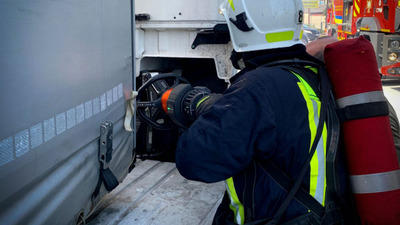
(180, 10)
(176, 43)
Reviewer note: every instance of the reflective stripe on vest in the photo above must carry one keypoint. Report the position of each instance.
(318, 161)
(236, 205)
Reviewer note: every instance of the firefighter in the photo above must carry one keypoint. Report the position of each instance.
(265, 124)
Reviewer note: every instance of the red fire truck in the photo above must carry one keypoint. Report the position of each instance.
(377, 20)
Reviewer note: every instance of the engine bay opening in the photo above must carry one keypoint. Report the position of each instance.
(156, 144)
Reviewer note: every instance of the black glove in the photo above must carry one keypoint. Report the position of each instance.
(182, 103)
(205, 103)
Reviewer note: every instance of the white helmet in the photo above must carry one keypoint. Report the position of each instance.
(263, 24)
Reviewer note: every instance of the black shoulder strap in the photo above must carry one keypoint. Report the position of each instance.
(320, 214)
(286, 183)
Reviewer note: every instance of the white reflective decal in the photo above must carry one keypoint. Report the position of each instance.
(71, 118)
(61, 123)
(36, 133)
(103, 102)
(6, 151)
(109, 97)
(49, 129)
(115, 94)
(34, 136)
(21, 143)
(96, 105)
(80, 113)
(88, 109)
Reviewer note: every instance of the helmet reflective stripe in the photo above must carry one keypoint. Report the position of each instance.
(318, 161)
(272, 23)
(231, 4)
(279, 36)
(235, 205)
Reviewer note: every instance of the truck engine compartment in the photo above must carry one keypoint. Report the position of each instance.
(198, 72)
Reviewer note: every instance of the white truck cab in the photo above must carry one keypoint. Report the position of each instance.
(187, 38)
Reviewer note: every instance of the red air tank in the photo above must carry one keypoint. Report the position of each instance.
(370, 151)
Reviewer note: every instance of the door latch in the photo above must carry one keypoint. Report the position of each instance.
(106, 136)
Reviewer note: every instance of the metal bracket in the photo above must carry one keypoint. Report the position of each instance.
(142, 17)
(240, 22)
(106, 136)
(218, 35)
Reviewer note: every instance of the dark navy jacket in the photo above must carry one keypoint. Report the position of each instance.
(261, 116)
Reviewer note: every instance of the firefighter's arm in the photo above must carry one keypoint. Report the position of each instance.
(215, 147)
(317, 47)
(221, 142)
(205, 103)
(185, 103)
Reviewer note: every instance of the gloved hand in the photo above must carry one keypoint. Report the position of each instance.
(181, 103)
(205, 103)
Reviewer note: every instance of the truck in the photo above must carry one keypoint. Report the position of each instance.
(66, 71)
(189, 41)
(377, 20)
(70, 71)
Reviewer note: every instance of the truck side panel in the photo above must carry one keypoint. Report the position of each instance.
(66, 67)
